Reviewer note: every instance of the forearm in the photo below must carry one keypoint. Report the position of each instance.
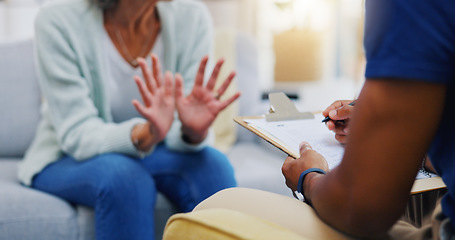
(368, 192)
(330, 200)
(95, 137)
(348, 210)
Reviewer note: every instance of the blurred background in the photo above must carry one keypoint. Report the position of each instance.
(310, 49)
(307, 48)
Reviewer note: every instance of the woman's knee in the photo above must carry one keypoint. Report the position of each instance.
(122, 176)
(217, 161)
(215, 172)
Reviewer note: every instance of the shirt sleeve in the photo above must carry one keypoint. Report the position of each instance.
(410, 40)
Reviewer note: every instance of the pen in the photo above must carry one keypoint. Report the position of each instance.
(326, 119)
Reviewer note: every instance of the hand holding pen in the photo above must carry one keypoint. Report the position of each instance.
(337, 117)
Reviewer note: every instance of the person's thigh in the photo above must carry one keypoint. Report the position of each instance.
(302, 219)
(188, 178)
(279, 209)
(82, 182)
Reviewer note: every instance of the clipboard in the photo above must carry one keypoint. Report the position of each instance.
(282, 108)
(270, 139)
(285, 128)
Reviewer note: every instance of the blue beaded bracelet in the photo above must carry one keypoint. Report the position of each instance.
(303, 175)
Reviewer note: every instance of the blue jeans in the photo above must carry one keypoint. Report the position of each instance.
(123, 189)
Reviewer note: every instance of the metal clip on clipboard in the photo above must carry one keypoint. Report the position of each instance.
(282, 108)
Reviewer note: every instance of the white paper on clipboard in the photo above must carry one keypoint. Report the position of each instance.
(291, 133)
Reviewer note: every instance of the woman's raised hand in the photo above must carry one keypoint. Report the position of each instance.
(198, 110)
(157, 92)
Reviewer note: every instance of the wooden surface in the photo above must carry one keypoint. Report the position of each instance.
(270, 139)
(427, 184)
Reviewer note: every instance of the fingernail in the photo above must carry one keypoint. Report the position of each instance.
(304, 144)
(333, 113)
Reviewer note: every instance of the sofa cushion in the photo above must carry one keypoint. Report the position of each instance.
(19, 95)
(8, 169)
(258, 165)
(30, 214)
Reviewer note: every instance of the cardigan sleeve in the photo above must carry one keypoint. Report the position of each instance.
(71, 90)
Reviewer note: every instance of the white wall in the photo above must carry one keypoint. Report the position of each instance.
(237, 14)
(16, 19)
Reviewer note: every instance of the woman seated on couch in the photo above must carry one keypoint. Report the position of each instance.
(96, 145)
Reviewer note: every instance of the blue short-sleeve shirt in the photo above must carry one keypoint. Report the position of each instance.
(415, 40)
